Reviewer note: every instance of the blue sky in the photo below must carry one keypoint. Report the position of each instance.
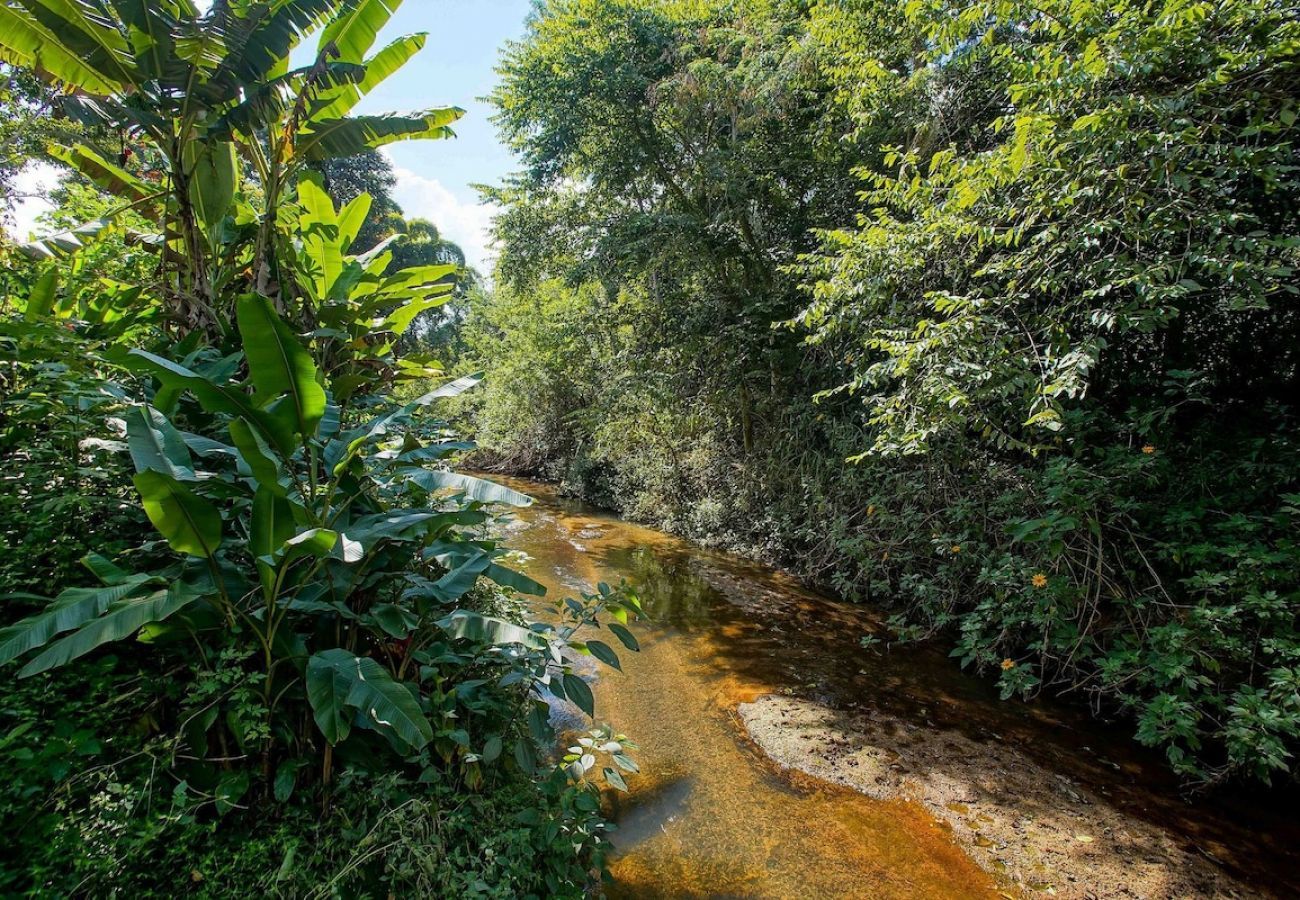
(433, 177)
(454, 69)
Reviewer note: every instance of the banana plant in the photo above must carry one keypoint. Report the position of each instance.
(357, 307)
(336, 551)
(213, 92)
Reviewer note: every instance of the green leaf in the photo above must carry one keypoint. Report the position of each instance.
(260, 458)
(189, 523)
(512, 579)
(613, 777)
(270, 525)
(212, 396)
(25, 43)
(156, 445)
(122, 619)
(40, 300)
(480, 629)
(334, 138)
(394, 620)
(604, 653)
(579, 692)
(474, 488)
(626, 637)
(450, 389)
(316, 542)
(526, 756)
(379, 67)
(492, 749)
(73, 608)
(286, 775)
(230, 790)
(329, 679)
(278, 364)
(390, 707)
(102, 173)
(352, 33)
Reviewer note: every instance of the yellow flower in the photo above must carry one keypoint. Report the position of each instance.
(871, 510)
(1008, 664)
(1149, 449)
(1040, 580)
(956, 548)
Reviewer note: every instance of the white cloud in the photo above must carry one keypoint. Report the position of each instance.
(31, 186)
(468, 224)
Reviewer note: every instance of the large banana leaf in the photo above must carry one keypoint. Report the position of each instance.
(122, 619)
(92, 36)
(333, 138)
(340, 101)
(352, 33)
(156, 445)
(189, 523)
(271, 524)
(258, 41)
(71, 609)
(480, 629)
(339, 681)
(260, 458)
(25, 42)
(103, 173)
(278, 364)
(212, 396)
(473, 488)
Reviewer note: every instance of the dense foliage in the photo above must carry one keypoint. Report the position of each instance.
(986, 312)
(301, 661)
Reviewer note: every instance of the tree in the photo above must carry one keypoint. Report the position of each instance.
(202, 89)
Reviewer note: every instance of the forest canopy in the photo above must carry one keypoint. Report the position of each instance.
(985, 312)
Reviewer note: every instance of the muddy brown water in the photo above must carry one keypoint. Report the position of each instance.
(710, 816)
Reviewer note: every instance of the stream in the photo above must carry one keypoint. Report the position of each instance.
(711, 815)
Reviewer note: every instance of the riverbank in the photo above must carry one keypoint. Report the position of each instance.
(1039, 829)
(716, 810)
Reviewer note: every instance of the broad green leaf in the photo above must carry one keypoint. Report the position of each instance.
(41, 298)
(481, 629)
(122, 619)
(473, 488)
(604, 653)
(73, 608)
(627, 638)
(189, 523)
(25, 43)
(212, 396)
(260, 458)
(579, 692)
(102, 173)
(353, 31)
(400, 319)
(334, 138)
(390, 707)
(341, 100)
(278, 364)
(329, 679)
(270, 525)
(156, 445)
(512, 579)
(450, 389)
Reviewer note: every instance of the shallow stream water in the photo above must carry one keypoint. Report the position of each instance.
(711, 816)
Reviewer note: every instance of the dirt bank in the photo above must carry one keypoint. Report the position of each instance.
(1016, 819)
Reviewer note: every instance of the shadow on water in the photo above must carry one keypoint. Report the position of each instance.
(707, 817)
